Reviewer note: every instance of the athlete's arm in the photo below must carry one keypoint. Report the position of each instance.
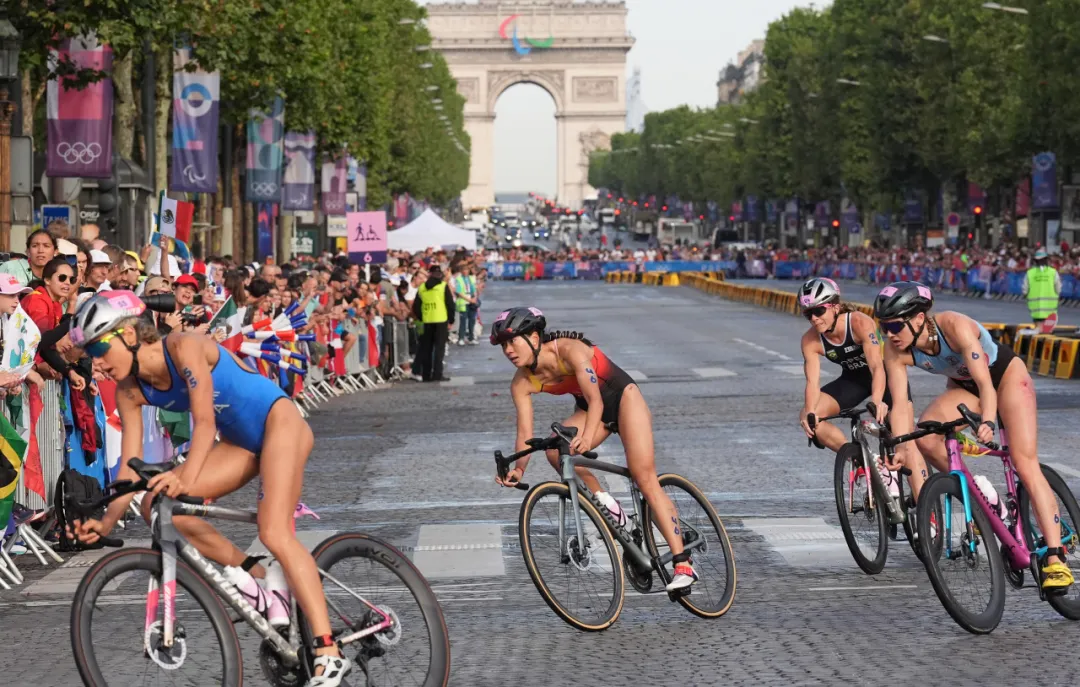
(901, 415)
(129, 402)
(812, 351)
(963, 333)
(521, 392)
(189, 353)
(866, 334)
(579, 356)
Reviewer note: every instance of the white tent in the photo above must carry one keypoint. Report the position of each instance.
(430, 231)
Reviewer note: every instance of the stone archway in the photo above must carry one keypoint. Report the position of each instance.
(576, 52)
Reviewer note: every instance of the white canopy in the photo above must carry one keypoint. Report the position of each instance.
(430, 231)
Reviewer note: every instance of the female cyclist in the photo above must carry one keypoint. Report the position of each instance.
(852, 341)
(262, 434)
(607, 401)
(984, 376)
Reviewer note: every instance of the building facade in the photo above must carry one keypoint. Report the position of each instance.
(743, 75)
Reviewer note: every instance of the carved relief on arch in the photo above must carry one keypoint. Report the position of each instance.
(551, 80)
(469, 88)
(592, 140)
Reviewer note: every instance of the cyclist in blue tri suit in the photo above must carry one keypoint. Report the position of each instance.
(262, 434)
(983, 375)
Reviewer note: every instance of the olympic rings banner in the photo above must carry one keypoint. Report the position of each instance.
(79, 140)
(196, 97)
(335, 181)
(299, 171)
(265, 133)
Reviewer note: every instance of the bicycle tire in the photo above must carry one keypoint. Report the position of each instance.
(356, 544)
(120, 562)
(1068, 606)
(525, 534)
(688, 602)
(850, 453)
(982, 622)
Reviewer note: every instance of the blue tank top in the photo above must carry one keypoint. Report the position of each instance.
(951, 363)
(242, 398)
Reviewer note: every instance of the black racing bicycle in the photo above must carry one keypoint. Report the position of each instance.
(569, 542)
(144, 616)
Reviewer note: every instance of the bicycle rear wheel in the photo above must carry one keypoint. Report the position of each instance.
(968, 573)
(865, 526)
(416, 649)
(109, 634)
(558, 566)
(713, 594)
(1068, 604)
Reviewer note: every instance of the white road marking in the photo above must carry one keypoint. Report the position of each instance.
(761, 348)
(459, 551)
(712, 372)
(790, 369)
(864, 588)
(309, 538)
(1065, 469)
(637, 374)
(805, 542)
(66, 578)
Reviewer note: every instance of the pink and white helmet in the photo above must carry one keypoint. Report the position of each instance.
(101, 313)
(818, 291)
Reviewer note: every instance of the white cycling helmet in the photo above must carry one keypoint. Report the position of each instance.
(101, 313)
(818, 291)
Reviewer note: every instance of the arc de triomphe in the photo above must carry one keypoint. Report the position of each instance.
(574, 51)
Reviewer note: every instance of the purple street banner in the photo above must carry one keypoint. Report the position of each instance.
(688, 210)
(335, 182)
(714, 211)
(849, 216)
(264, 231)
(299, 171)
(1044, 182)
(752, 209)
(821, 213)
(265, 134)
(791, 209)
(196, 107)
(976, 196)
(79, 141)
(361, 186)
(772, 211)
(913, 209)
(367, 237)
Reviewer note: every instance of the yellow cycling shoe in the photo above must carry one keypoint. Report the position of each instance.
(1057, 578)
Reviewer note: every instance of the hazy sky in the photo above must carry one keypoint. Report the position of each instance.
(681, 45)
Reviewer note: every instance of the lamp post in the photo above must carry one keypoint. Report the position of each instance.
(9, 71)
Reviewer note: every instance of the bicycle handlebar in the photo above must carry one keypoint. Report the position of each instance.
(561, 435)
(928, 427)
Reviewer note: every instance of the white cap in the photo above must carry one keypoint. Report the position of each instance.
(65, 247)
(99, 257)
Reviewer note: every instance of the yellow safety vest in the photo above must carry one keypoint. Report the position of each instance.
(433, 304)
(1041, 298)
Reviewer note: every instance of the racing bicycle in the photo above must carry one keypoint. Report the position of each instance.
(166, 607)
(569, 541)
(970, 535)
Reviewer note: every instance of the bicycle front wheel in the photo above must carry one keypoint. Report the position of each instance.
(862, 514)
(366, 572)
(582, 581)
(113, 644)
(714, 592)
(1067, 604)
(967, 571)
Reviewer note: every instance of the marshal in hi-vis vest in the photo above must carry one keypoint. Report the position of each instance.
(433, 304)
(1041, 298)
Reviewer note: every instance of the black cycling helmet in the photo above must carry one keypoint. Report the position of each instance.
(902, 300)
(516, 322)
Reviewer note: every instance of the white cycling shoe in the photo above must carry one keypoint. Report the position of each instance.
(335, 668)
(683, 578)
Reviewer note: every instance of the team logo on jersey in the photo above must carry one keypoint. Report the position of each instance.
(831, 355)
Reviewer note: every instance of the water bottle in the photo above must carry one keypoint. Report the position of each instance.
(613, 508)
(991, 495)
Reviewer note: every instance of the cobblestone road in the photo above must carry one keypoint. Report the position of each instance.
(413, 464)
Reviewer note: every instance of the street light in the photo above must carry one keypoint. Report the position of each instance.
(426, 65)
(935, 39)
(422, 48)
(1004, 8)
(10, 42)
(849, 82)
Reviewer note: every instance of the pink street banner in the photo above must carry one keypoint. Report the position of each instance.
(196, 108)
(299, 171)
(79, 140)
(265, 133)
(367, 237)
(335, 182)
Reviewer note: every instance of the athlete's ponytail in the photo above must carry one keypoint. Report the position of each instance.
(566, 334)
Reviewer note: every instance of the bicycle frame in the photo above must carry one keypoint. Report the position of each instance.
(173, 543)
(1019, 556)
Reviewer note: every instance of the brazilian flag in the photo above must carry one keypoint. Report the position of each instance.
(12, 451)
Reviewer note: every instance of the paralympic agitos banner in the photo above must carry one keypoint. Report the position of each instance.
(196, 103)
(79, 142)
(299, 171)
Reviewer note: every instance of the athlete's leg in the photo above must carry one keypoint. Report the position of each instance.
(635, 430)
(943, 409)
(287, 443)
(1016, 405)
(233, 467)
(828, 435)
(577, 420)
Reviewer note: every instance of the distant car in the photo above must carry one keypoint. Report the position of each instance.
(541, 232)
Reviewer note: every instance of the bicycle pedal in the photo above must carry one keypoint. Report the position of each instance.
(678, 594)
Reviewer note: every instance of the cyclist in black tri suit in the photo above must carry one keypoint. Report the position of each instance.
(851, 340)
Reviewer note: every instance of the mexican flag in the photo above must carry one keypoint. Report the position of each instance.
(12, 452)
(231, 319)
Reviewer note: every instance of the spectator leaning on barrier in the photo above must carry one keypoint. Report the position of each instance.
(45, 305)
(40, 249)
(1042, 285)
(434, 307)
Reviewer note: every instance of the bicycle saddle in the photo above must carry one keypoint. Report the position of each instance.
(567, 433)
(148, 470)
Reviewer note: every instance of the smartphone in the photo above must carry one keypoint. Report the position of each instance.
(198, 299)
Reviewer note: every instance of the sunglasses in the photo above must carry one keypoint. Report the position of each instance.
(62, 278)
(100, 347)
(894, 327)
(819, 311)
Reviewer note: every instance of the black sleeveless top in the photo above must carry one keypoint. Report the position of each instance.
(848, 355)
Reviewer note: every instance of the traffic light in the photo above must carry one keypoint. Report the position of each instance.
(977, 210)
(646, 205)
(836, 224)
(664, 208)
(389, 224)
(621, 199)
(701, 216)
(634, 203)
(731, 218)
(618, 212)
(109, 197)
